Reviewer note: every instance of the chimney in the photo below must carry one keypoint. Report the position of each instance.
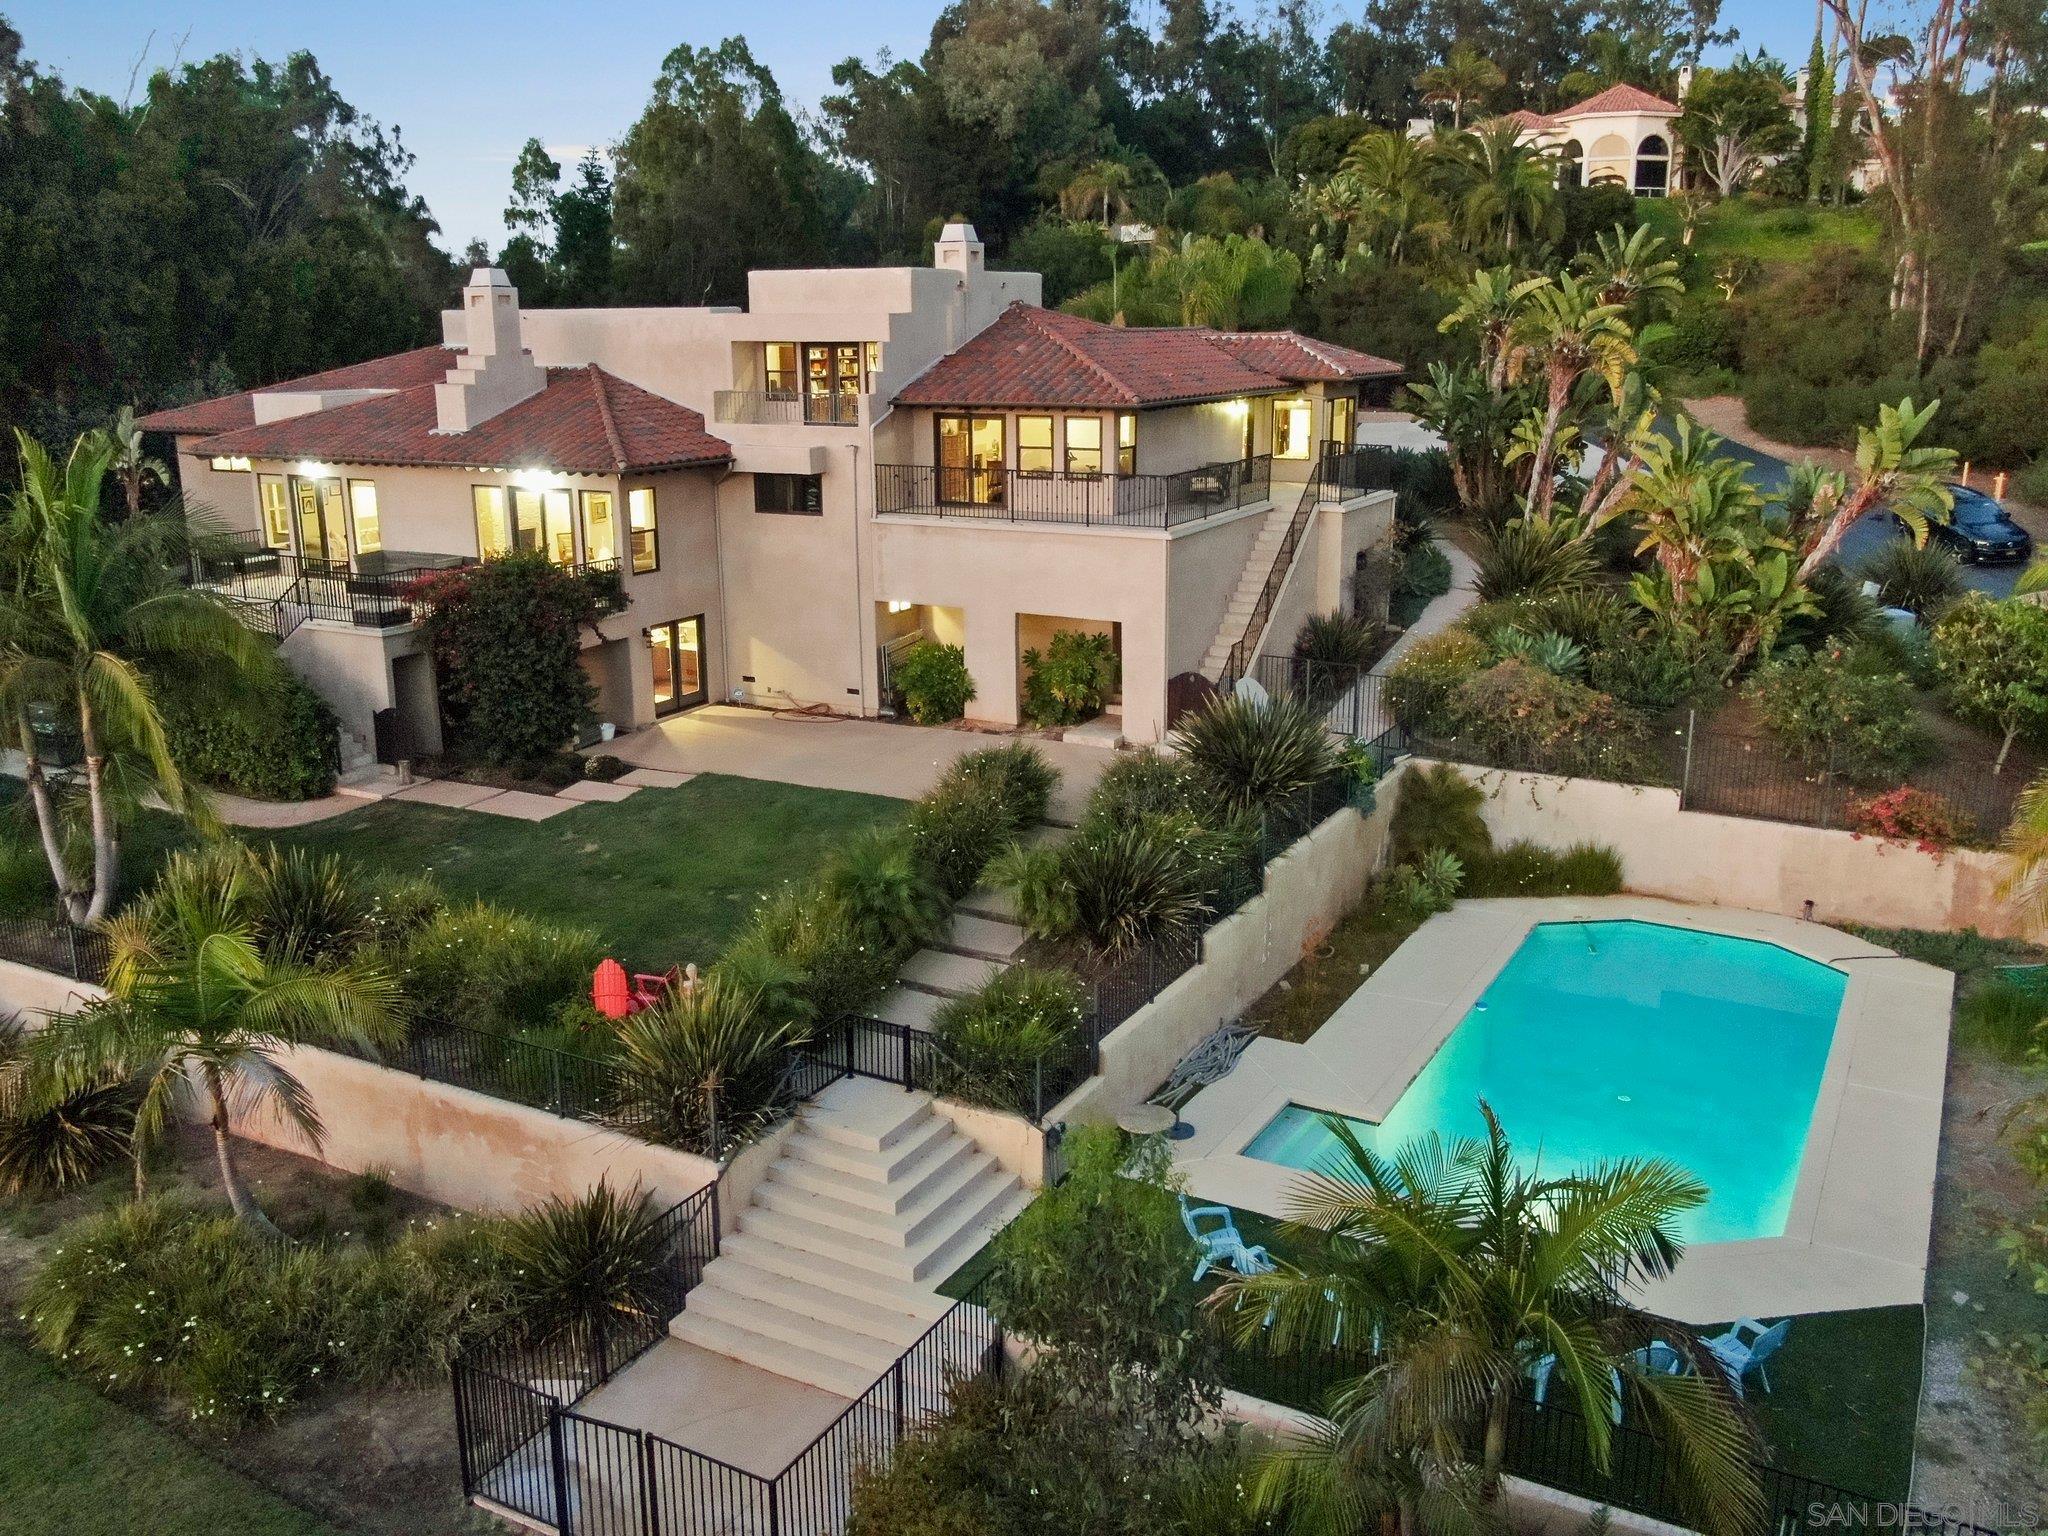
(495, 372)
(958, 249)
(1684, 82)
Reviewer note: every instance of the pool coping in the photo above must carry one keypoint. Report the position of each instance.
(1863, 1205)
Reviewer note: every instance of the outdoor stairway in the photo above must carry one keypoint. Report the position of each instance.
(830, 1277)
(1257, 565)
(981, 939)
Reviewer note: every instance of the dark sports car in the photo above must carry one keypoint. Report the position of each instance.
(1980, 531)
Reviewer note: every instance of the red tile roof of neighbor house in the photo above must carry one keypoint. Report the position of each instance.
(1619, 98)
(401, 370)
(585, 421)
(1042, 357)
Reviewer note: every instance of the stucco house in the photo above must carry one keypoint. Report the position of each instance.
(780, 498)
(1622, 136)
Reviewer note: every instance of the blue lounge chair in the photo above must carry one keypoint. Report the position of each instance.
(1222, 1244)
(1738, 1356)
(1541, 1372)
(1657, 1358)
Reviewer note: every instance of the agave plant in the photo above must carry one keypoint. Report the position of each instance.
(1922, 578)
(1549, 650)
(1134, 884)
(1253, 755)
(1533, 558)
(702, 1069)
(599, 1258)
(56, 1141)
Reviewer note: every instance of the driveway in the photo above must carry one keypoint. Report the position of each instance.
(873, 757)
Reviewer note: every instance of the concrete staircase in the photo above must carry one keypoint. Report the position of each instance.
(981, 940)
(1257, 566)
(831, 1275)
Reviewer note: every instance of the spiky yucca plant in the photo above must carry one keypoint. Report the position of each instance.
(597, 1259)
(1252, 755)
(1139, 883)
(1922, 578)
(1529, 558)
(51, 1142)
(701, 1069)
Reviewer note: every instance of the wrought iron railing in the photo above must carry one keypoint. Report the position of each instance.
(774, 407)
(52, 944)
(1090, 501)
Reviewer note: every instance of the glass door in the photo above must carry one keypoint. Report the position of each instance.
(323, 531)
(1343, 424)
(676, 654)
(832, 383)
(970, 457)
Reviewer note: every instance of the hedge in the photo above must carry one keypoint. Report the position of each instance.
(288, 749)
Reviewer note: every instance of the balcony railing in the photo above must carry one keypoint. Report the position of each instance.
(1092, 501)
(783, 408)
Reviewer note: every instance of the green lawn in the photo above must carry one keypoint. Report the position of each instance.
(664, 877)
(74, 1464)
(1763, 233)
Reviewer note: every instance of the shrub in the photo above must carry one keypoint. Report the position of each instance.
(1253, 756)
(1837, 717)
(604, 768)
(507, 643)
(159, 1297)
(2004, 1017)
(1909, 814)
(1551, 651)
(1525, 869)
(1010, 1036)
(489, 969)
(804, 956)
(54, 1141)
(308, 907)
(1437, 807)
(1134, 884)
(1925, 579)
(1419, 688)
(889, 898)
(1702, 337)
(1532, 559)
(702, 1069)
(1422, 573)
(1141, 783)
(1992, 659)
(600, 1258)
(399, 906)
(1426, 887)
(1071, 679)
(1655, 668)
(285, 746)
(933, 681)
(1035, 876)
(1335, 641)
(1515, 715)
(956, 829)
(1017, 774)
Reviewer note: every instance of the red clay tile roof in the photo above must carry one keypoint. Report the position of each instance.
(1522, 117)
(225, 413)
(586, 421)
(1034, 356)
(1302, 359)
(1619, 98)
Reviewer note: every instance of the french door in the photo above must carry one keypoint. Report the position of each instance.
(970, 458)
(676, 653)
(323, 526)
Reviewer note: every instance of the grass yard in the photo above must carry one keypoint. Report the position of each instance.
(1763, 232)
(74, 1464)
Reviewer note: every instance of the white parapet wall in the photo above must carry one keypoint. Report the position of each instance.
(1308, 889)
(1766, 866)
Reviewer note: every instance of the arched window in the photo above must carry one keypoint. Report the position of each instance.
(1608, 160)
(1571, 164)
(1653, 167)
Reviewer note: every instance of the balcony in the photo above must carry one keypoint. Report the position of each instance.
(1086, 501)
(783, 408)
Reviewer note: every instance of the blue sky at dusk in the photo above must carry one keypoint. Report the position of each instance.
(468, 81)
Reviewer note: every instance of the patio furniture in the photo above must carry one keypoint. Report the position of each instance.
(650, 988)
(1147, 1120)
(1657, 1358)
(1223, 1244)
(1541, 1373)
(1738, 1356)
(610, 993)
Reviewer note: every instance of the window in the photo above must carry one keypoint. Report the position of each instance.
(236, 465)
(872, 356)
(362, 511)
(600, 532)
(800, 494)
(1126, 443)
(1343, 423)
(493, 524)
(970, 460)
(558, 527)
(276, 507)
(641, 531)
(1034, 445)
(778, 368)
(1293, 425)
(323, 535)
(1084, 445)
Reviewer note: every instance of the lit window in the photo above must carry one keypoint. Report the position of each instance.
(236, 465)
(493, 523)
(600, 532)
(1034, 445)
(778, 367)
(1293, 425)
(873, 357)
(559, 526)
(362, 511)
(1126, 443)
(277, 520)
(641, 529)
(1084, 445)
(1343, 423)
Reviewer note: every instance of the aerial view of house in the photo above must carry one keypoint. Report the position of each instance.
(1141, 771)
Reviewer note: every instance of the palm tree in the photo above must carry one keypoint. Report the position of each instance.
(1395, 171)
(1632, 272)
(1693, 505)
(1493, 301)
(2025, 883)
(90, 612)
(1467, 1268)
(1465, 77)
(1565, 332)
(195, 1006)
(1109, 184)
(1907, 481)
(1505, 190)
(128, 462)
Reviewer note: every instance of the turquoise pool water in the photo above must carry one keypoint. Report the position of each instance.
(1627, 1039)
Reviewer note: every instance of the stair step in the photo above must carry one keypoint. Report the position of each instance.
(983, 938)
(901, 1322)
(920, 1260)
(800, 1264)
(986, 901)
(908, 1005)
(874, 1167)
(886, 1198)
(917, 1207)
(933, 970)
(798, 1330)
(884, 1117)
(772, 1355)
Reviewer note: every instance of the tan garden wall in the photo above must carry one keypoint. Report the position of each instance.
(1308, 890)
(1765, 866)
(29, 995)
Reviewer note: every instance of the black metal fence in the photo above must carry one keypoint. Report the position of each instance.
(526, 1449)
(52, 944)
(1090, 500)
(506, 1067)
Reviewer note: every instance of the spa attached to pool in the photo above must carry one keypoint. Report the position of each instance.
(1793, 1069)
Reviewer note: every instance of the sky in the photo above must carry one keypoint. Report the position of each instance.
(467, 82)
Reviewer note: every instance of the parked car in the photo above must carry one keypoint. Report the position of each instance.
(1981, 532)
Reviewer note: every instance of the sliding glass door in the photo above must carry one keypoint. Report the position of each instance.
(323, 525)
(676, 654)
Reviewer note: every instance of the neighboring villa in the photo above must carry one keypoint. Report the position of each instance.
(890, 452)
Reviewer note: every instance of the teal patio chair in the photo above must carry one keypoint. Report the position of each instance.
(1739, 1356)
(1222, 1244)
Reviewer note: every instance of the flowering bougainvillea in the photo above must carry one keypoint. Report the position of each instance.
(1910, 815)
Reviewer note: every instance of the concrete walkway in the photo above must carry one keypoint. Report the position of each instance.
(871, 757)
(1443, 611)
(717, 1406)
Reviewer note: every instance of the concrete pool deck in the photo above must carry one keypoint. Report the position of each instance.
(1858, 1230)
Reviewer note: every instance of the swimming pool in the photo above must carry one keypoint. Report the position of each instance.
(1600, 1040)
